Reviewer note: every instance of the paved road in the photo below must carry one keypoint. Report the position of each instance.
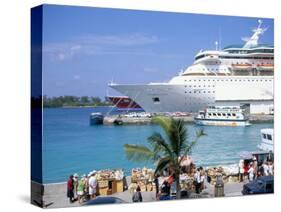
(55, 194)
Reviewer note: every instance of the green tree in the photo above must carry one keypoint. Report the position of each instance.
(166, 150)
(85, 100)
(95, 100)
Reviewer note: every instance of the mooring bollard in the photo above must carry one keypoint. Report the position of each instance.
(219, 186)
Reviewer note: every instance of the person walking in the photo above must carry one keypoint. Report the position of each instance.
(251, 172)
(246, 168)
(265, 169)
(260, 170)
(270, 168)
(202, 179)
(92, 185)
(81, 188)
(70, 187)
(156, 181)
(75, 186)
(197, 180)
(165, 191)
(241, 170)
(137, 197)
(255, 166)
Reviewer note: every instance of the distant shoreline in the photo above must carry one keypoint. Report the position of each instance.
(82, 106)
(85, 106)
(72, 101)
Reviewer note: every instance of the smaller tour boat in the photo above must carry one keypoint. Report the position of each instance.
(222, 116)
(96, 118)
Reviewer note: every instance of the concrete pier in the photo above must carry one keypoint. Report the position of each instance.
(110, 120)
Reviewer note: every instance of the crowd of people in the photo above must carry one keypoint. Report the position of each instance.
(167, 187)
(83, 188)
(252, 169)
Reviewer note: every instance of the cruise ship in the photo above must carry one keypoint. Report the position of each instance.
(235, 75)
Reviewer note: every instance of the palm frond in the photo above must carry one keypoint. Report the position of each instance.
(162, 164)
(164, 122)
(200, 133)
(189, 146)
(159, 144)
(177, 136)
(138, 153)
(153, 141)
(183, 134)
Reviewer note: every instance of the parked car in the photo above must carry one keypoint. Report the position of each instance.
(261, 185)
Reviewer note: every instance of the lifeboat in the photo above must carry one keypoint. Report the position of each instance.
(265, 67)
(242, 66)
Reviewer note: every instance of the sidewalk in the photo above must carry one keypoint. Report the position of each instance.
(55, 194)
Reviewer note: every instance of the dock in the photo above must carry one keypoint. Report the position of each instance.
(261, 118)
(110, 120)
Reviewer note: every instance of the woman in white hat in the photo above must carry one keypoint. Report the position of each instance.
(92, 185)
(75, 185)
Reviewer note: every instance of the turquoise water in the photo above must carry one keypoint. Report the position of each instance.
(72, 145)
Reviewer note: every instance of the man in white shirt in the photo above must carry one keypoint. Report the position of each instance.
(197, 179)
(270, 168)
(93, 185)
(265, 169)
(251, 172)
(241, 170)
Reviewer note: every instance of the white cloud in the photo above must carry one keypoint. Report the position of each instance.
(76, 77)
(99, 45)
(61, 56)
(135, 39)
(74, 48)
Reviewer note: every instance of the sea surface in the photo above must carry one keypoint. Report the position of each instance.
(71, 145)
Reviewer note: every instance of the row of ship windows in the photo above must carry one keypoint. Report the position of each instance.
(212, 69)
(238, 57)
(195, 103)
(200, 98)
(157, 100)
(250, 58)
(221, 80)
(200, 92)
(199, 86)
(221, 114)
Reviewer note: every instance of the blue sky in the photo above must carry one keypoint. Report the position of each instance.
(84, 48)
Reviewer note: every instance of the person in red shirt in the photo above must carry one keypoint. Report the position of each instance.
(70, 188)
(246, 168)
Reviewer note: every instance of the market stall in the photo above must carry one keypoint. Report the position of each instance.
(144, 178)
(110, 181)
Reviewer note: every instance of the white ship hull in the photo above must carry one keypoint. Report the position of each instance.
(190, 94)
(223, 123)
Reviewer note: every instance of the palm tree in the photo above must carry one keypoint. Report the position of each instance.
(165, 150)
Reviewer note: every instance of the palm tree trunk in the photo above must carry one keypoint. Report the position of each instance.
(177, 179)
